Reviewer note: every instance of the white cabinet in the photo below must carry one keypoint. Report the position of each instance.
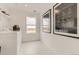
(8, 43)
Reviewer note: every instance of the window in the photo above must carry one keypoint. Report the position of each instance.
(30, 24)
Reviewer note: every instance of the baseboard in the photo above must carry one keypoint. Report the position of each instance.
(29, 41)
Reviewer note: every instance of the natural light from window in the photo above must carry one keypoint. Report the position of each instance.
(31, 24)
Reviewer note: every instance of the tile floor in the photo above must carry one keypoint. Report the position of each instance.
(34, 48)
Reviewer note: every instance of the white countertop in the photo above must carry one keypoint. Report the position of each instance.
(9, 31)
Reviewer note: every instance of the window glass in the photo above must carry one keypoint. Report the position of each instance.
(30, 24)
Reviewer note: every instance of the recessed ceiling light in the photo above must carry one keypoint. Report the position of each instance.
(5, 9)
(26, 5)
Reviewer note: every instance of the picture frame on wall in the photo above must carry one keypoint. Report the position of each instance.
(65, 20)
(46, 21)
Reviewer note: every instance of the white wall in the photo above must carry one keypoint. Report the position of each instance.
(18, 17)
(4, 22)
(60, 44)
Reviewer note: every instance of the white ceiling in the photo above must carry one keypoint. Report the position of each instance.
(39, 7)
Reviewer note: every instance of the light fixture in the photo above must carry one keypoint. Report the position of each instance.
(5, 9)
(5, 13)
(26, 5)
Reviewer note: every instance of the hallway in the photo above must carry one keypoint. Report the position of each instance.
(44, 28)
(34, 48)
